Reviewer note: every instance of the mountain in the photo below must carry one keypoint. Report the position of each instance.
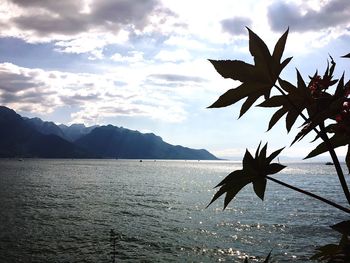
(25, 137)
(18, 138)
(115, 142)
(75, 131)
(45, 127)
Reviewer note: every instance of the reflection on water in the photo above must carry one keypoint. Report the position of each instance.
(63, 211)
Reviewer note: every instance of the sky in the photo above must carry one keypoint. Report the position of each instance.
(143, 64)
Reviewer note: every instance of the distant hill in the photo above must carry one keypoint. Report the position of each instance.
(19, 138)
(115, 142)
(32, 137)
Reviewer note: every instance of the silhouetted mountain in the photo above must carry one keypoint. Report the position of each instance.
(24, 137)
(45, 127)
(75, 131)
(114, 142)
(18, 138)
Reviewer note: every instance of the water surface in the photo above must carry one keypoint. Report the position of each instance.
(63, 211)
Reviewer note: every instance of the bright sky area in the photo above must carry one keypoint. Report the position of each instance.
(142, 64)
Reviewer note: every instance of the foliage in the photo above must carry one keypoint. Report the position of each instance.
(324, 112)
(254, 171)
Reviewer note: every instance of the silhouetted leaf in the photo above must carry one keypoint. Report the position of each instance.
(275, 168)
(255, 169)
(336, 141)
(247, 104)
(346, 56)
(259, 187)
(233, 95)
(342, 227)
(276, 117)
(279, 47)
(274, 155)
(234, 69)
(325, 252)
(258, 79)
(292, 104)
(334, 253)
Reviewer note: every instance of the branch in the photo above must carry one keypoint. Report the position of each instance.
(310, 194)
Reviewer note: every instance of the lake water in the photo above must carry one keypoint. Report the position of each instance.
(63, 211)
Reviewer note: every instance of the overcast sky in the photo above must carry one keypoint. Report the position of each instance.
(142, 64)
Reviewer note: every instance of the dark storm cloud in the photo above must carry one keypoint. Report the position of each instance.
(236, 25)
(282, 15)
(176, 78)
(65, 16)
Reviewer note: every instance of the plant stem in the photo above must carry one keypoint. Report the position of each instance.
(323, 135)
(336, 163)
(310, 194)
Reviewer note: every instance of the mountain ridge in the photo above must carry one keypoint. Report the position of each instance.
(33, 137)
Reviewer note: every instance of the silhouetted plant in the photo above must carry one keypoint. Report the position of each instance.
(312, 102)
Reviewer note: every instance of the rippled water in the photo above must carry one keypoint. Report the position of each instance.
(63, 211)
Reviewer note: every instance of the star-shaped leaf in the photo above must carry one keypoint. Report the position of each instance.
(258, 79)
(255, 169)
(292, 104)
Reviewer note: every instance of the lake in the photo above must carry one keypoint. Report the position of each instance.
(63, 211)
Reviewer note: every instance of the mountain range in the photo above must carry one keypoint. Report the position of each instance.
(33, 137)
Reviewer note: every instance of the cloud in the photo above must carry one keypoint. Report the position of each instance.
(173, 56)
(300, 18)
(236, 25)
(68, 17)
(83, 26)
(177, 78)
(132, 57)
(96, 96)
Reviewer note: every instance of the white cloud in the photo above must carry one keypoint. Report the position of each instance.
(133, 57)
(173, 56)
(97, 96)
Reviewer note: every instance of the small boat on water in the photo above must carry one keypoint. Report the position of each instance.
(328, 163)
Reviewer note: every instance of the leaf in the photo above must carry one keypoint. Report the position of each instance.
(346, 56)
(326, 252)
(292, 116)
(233, 95)
(336, 141)
(234, 69)
(275, 168)
(258, 79)
(342, 227)
(285, 63)
(287, 86)
(247, 104)
(259, 187)
(255, 169)
(274, 155)
(258, 49)
(279, 47)
(275, 117)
